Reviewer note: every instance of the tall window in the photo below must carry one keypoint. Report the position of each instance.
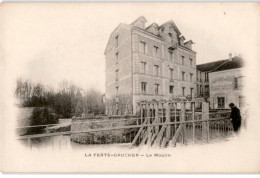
(117, 91)
(116, 39)
(191, 76)
(201, 90)
(221, 102)
(156, 70)
(182, 60)
(171, 73)
(116, 75)
(191, 92)
(156, 88)
(183, 91)
(171, 88)
(117, 57)
(171, 55)
(236, 83)
(206, 77)
(143, 67)
(207, 89)
(143, 87)
(183, 76)
(155, 51)
(142, 47)
(191, 63)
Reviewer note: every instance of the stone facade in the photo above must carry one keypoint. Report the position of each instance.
(146, 64)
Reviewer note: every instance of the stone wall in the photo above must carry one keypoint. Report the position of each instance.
(101, 137)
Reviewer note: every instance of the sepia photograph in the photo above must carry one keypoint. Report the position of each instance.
(130, 87)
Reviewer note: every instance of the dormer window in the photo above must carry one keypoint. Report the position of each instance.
(188, 44)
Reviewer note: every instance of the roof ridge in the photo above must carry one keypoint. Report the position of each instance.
(151, 25)
(219, 65)
(211, 62)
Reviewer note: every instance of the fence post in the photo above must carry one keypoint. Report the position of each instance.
(149, 127)
(156, 118)
(167, 115)
(175, 119)
(183, 113)
(205, 124)
(142, 113)
(47, 129)
(193, 123)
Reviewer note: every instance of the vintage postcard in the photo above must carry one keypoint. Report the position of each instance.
(130, 87)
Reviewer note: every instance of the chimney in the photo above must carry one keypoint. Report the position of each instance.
(230, 57)
(140, 22)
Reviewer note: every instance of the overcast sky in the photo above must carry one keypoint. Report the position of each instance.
(51, 42)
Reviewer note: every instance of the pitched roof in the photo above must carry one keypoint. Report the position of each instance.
(221, 65)
(173, 25)
(190, 41)
(153, 24)
(236, 62)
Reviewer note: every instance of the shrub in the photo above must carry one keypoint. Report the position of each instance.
(41, 116)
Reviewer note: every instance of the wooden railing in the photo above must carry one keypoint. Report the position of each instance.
(177, 124)
(159, 124)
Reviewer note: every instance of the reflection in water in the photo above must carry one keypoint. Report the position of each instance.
(63, 143)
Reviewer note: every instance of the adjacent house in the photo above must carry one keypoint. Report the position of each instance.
(222, 82)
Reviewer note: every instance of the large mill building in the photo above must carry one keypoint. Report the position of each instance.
(147, 63)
